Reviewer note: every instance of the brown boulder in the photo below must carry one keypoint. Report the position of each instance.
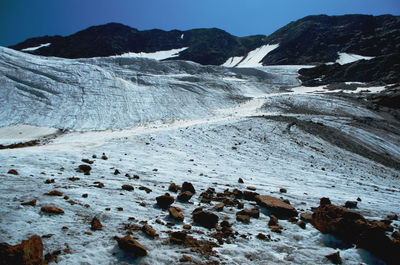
(187, 186)
(352, 227)
(51, 209)
(28, 252)
(164, 201)
(173, 187)
(127, 187)
(273, 221)
(205, 219)
(276, 206)
(175, 214)
(150, 231)
(54, 193)
(255, 212)
(250, 195)
(95, 224)
(30, 203)
(177, 237)
(243, 218)
(13, 172)
(185, 196)
(84, 169)
(130, 245)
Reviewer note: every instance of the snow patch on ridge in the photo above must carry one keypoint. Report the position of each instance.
(159, 55)
(345, 58)
(252, 59)
(36, 48)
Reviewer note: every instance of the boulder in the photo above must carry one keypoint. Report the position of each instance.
(177, 237)
(127, 187)
(334, 258)
(276, 206)
(150, 231)
(173, 187)
(51, 209)
(95, 224)
(352, 227)
(243, 218)
(255, 212)
(250, 195)
(187, 186)
(350, 204)
(130, 245)
(164, 201)
(175, 214)
(28, 252)
(54, 193)
(30, 203)
(13, 172)
(84, 169)
(205, 219)
(185, 196)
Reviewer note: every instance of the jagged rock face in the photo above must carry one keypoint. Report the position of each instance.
(380, 70)
(318, 39)
(205, 46)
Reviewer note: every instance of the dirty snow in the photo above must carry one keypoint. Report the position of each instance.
(345, 58)
(159, 55)
(183, 120)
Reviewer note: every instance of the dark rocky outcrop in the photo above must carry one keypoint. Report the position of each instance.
(205, 218)
(352, 227)
(28, 252)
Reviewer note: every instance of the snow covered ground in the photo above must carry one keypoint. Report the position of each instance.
(159, 55)
(179, 121)
(345, 58)
(252, 59)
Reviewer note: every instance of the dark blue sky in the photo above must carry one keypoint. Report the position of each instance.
(22, 19)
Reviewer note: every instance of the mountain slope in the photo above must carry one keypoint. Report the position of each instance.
(318, 39)
(205, 46)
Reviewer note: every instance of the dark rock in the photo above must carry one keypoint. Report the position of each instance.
(306, 217)
(187, 186)
(127, 187)
(84, 169)
(240, 180)
(95, 224)
(334, 258)
(49, 181)
(104, 157)
(255, 212)
(276, 206)
(205, 219)
(117, 172)
(30, 203)
(54, 193)
(273, 221)
(85, 160)
(147, 190)
(28, 252)
(261, 236)
(165, 201)
(175, 214)
(173, 187)
(282, 190)
(130, 245)
(352, 227)
(13, 172)
(219, 207)
(186, 258)
(185, 196)
(51, 209)
(243, 218)
(392, 217)
(350, 204)
(178, 237)
(250, 195)
(85, 195)
(324, 201)
(150, 231)
(302, 224)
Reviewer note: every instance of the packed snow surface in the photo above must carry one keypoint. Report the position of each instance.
(179, 121)
(36, 48)
(159, 55)
(252, 59)
(24, 133)
(345, 58)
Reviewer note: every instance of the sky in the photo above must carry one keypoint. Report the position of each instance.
(22, 19)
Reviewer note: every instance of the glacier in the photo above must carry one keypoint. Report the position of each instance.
(176, 121)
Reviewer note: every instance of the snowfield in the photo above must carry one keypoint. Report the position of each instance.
(174, 122)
